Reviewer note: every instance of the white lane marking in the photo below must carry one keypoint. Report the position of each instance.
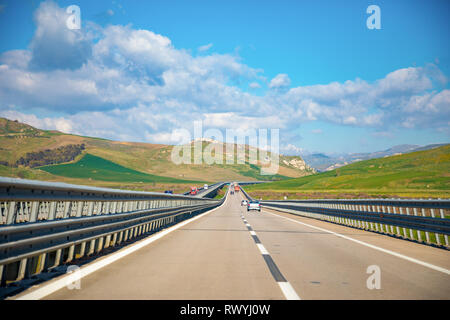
(261, 248)
(399, 255)
(56, 285)
(288, 291)
(253, 233)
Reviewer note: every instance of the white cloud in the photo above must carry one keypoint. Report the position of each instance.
(280, 81)
(254, 85)
(206, 47)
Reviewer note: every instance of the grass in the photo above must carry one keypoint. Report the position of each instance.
(420, 174)
(95, 168)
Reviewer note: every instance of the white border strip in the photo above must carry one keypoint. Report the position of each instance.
(422, 263)
(64, 280)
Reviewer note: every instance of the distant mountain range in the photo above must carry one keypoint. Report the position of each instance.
(322, 162)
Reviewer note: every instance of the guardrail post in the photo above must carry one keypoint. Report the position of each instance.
(91, 247)
(11, 212)
(411, 234)
(427, 236)
(99, 244)
(443, 217)
(34, 211)
(419, 233)
(41, 263)
(70, 253)
(438, 240)
(404, 229)
(2, 267)
(396, 227)
(81, 250)
(22, 269)
(119, 241)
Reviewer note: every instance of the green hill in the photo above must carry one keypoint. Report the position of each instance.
(417, 174)
(96, 168)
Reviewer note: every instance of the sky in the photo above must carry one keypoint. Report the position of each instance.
(146, 70)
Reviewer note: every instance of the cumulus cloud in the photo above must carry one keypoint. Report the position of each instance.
(254, 85)
(280, 81)
(206, 47)
(54, 46)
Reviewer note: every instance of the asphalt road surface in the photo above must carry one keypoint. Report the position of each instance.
(230, 253)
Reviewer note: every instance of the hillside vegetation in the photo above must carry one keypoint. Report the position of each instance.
(417, 174)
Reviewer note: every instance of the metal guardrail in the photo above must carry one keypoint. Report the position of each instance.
(45, 224)
(414, 219)
(212, 189)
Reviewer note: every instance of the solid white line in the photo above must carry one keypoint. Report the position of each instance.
(288, 291)
(262, 249)
(399, 255)
(253, 233)
(56, 285)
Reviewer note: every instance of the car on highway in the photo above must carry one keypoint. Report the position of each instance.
(254, 205)
(193, 191)
(168, 191)
(205, 187)
(244, 202)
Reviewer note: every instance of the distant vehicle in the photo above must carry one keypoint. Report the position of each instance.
(205, 187)
(168, 191)
(254, 205)
(193, 191)
(236, 188)
(244, 202)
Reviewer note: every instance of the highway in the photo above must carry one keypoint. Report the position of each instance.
(229, 253)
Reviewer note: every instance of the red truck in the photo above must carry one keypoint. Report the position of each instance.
(236, 188)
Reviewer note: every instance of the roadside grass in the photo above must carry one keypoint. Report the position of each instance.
(221, 193)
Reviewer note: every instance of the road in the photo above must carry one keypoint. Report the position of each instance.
(231, 254)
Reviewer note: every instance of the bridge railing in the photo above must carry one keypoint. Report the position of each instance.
(45, 224)
(426, 221)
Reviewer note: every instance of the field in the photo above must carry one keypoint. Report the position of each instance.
(95, 168)
(423, 174)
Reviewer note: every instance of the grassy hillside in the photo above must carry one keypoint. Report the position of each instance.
(96, 168)
(417, 174)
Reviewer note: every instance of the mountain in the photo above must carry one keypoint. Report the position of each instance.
(28, 152)
(323, 162)
(414, 174)
(319, 161)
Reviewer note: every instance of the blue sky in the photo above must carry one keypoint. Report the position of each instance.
(311, 68)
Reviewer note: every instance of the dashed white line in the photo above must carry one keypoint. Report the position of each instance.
(262, 249)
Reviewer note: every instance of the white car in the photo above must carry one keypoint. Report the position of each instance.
(254, 205)
(205, 187)
(244, 202)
